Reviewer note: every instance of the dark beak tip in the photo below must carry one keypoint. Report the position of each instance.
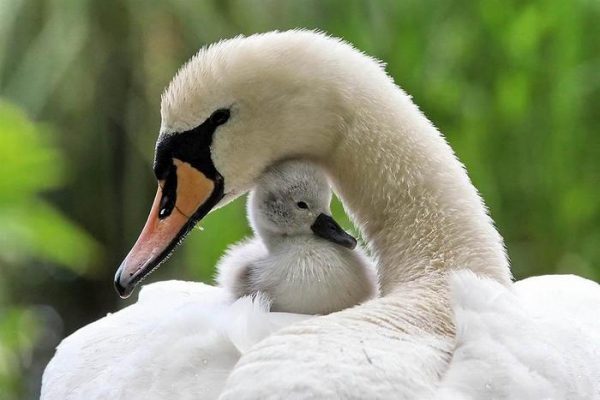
(326, 227)
(123, 291)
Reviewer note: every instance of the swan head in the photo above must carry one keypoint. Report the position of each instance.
(292, 199)
(236, 108)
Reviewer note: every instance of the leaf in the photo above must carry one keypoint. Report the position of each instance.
(30, 228)
(30, 163)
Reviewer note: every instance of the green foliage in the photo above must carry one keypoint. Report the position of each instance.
(513, 85)
(217, 231)
(19, 330)
(31, 227)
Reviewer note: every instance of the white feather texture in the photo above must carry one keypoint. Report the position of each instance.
(302, 94)
(179, 341)
(539, 340)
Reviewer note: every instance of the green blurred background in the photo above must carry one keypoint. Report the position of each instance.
(514, 85)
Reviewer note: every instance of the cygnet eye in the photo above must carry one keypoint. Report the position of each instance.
(302, 205)
(220, 116)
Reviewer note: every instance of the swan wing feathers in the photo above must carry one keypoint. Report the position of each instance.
(179, 335)
(525, 342)
(566, 296)
(250, 321)
(175, 292)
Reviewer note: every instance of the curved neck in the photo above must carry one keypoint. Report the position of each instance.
(408, 193)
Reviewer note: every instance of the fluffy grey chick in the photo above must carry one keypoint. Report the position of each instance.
(299, 256)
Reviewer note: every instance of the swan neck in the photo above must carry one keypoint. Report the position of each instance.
(409, 194)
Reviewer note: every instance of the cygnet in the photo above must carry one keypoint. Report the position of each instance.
(299, 256)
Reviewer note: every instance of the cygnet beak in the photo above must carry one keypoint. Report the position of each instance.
(326, 227)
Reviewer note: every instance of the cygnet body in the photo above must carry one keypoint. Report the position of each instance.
(299, 256)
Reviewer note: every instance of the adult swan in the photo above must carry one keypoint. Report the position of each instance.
(243, 104)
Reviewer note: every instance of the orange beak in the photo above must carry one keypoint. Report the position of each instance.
(195, 195)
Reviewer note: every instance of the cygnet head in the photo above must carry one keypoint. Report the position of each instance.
(292, 199)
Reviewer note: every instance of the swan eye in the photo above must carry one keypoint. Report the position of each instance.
(220, 116)
(302, 205)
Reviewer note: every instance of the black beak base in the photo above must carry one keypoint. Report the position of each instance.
(326, 227)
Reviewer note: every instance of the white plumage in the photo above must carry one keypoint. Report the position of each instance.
(538, 340)
(180, 340)
(304, 95)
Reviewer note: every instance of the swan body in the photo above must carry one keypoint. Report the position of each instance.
(183, 332)
(512, 343)
(301, 94)
(300, 257)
